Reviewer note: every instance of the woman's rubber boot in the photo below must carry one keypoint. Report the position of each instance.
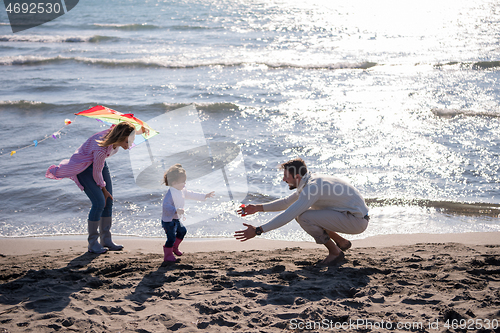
(93, 239)
(168, 255)
(176, 247)
(105, 229)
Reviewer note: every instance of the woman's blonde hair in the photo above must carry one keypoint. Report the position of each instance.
(175, 173)
(119, 133)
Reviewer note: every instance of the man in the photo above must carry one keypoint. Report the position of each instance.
(322, 205)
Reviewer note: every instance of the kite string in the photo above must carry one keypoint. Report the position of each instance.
(36, 142)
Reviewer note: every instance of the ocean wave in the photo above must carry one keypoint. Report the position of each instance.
(133, 27)
(341, 65)
(56, 39)
(31, 60)
(146, 26)
(486, 64)
(158, 63)
(216, 107)
(450, 113)
(478, 65)
(23, 104)
(69, 108)
(189, 27)
(450, 207)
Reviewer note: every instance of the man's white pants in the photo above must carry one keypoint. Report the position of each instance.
(317, 222)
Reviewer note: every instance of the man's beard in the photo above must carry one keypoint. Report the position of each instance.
(291, 187)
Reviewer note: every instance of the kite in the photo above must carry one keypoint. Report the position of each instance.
(106, 115)
(111, 116)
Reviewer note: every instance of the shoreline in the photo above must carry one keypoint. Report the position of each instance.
(75, 243)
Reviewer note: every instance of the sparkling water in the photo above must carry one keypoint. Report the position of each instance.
(401, 99)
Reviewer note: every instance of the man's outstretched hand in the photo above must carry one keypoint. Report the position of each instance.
(250, 209)
(247, 234)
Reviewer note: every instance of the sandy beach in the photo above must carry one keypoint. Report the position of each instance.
(413, 283)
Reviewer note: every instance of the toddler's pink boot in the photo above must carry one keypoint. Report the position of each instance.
(168, 255)
(176, 247)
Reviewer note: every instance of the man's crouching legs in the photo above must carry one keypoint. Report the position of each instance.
(306, 221)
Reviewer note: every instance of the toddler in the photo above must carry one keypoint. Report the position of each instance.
(173, 209)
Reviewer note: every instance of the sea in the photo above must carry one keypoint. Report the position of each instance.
(401, 98)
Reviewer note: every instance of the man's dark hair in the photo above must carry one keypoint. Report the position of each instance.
(295, 166)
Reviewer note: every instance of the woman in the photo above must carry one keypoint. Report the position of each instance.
(87, 167)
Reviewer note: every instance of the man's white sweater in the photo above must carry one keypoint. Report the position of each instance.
(319, 192)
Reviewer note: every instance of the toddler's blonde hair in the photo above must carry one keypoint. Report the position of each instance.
(174, 174)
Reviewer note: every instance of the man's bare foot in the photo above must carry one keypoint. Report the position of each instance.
(340, 241)
(344, 246)
(331, 259)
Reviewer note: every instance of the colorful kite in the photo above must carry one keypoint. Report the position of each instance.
(106, 115)
(111, 116)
